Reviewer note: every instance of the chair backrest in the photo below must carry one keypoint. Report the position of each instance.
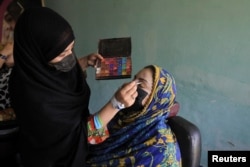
(189, 140)
(174, 109)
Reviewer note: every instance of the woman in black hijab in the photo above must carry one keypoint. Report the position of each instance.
(49, 93)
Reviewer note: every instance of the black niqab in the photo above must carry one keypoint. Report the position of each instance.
(51, 106)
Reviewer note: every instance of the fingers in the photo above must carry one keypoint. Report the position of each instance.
(127, 93)
(94, 58)
(128, 86)
(134, 95)
(90, 60)
(98, 56)
(8, 49)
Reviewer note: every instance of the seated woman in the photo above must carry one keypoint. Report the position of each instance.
(139, 135)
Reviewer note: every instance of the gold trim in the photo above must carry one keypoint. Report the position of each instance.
(156, 80)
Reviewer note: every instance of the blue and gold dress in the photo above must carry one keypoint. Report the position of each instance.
(143, 138)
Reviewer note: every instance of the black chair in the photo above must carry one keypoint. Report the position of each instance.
(189, 139)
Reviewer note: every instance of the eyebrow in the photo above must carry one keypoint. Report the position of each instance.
(141, 79)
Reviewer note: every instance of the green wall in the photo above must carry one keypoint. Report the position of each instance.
(204, 44)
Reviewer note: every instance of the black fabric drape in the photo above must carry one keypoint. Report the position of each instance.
(51, 106)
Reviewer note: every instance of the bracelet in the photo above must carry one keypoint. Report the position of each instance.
(97, 121)
(116, 104)
(3, 57)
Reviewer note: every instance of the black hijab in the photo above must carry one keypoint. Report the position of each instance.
(51, 106)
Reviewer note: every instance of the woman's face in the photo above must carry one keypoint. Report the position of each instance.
(65, 53)
(145, 76)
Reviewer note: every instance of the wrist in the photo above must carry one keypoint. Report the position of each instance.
(116, 104)
(83, 61)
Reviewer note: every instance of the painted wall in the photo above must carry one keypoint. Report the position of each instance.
(204, 44)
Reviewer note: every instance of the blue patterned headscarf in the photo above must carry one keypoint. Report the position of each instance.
(142, 138)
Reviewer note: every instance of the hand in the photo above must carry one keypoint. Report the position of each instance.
(8, 49)
(93, 58)
(90, 60)
(127, 93)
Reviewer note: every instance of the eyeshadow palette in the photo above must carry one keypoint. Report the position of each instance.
(117, 58)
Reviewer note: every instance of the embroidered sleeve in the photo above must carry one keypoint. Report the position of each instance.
(96, 136)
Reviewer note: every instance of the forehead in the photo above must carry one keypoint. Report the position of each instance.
(145, 73)
(70, 45)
